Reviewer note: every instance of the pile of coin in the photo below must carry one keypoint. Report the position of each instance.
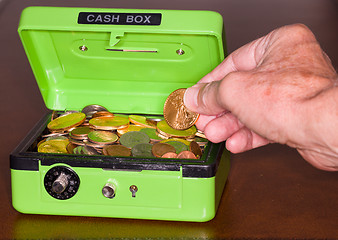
(96, 131)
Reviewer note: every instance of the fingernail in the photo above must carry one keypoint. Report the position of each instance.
(190, 98)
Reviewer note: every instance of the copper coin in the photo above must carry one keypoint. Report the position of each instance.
(116, 150)
(186, 154)
(77, 142)
(195, 149)
(80, 132)
(103, 114)
(70, 148)
(175, 112)
(169, 155)
(159, 149)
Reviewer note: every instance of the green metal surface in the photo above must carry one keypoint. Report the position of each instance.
(69, 78)
(164, 195)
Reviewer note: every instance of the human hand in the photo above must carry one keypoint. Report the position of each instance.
(279, 88)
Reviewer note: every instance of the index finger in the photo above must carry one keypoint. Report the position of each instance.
(204, 97)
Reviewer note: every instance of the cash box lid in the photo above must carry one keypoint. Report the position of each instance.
(128, 60)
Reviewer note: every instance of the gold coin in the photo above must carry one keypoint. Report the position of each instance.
(109, 123)
(80, 133)
(175, 112)
(186, 142)
(116, 150)
(169, 155)
(102, 137)
(39, 143)
(141, 121)
(66, 122)
(159, 149)
(129, 128)
(186, 154)
(54, 146)
(164, 129)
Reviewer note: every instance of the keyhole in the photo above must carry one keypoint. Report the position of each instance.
(133, 190)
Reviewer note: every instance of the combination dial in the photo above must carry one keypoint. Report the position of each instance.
(61, 182)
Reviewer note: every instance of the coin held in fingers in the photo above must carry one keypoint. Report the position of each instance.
(176, 114)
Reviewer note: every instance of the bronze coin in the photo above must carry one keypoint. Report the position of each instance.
(116, 150)
(195, 149)
(159, 149)
(169, 155)
(186, 154)
(175, 112)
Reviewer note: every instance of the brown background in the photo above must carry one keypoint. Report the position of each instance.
(271, 192)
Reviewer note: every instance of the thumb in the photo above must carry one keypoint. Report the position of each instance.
(203, 98)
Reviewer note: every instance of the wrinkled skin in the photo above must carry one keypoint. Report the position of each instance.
(280, 88)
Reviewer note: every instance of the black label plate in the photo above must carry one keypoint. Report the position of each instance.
(119, 18)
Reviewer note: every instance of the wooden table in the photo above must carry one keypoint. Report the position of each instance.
(271, 191)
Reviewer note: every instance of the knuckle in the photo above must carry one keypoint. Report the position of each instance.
(300, 32)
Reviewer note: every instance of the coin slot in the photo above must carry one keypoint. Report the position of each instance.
(131, 50)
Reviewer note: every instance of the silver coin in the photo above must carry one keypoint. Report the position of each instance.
(54, 134)
(67, 113)
(89, 151)
(155, 119)
(91, 109)
(56, 138)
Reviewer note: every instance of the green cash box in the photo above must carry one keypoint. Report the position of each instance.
(129, 61)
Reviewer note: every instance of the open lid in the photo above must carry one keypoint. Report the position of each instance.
(126, 60)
